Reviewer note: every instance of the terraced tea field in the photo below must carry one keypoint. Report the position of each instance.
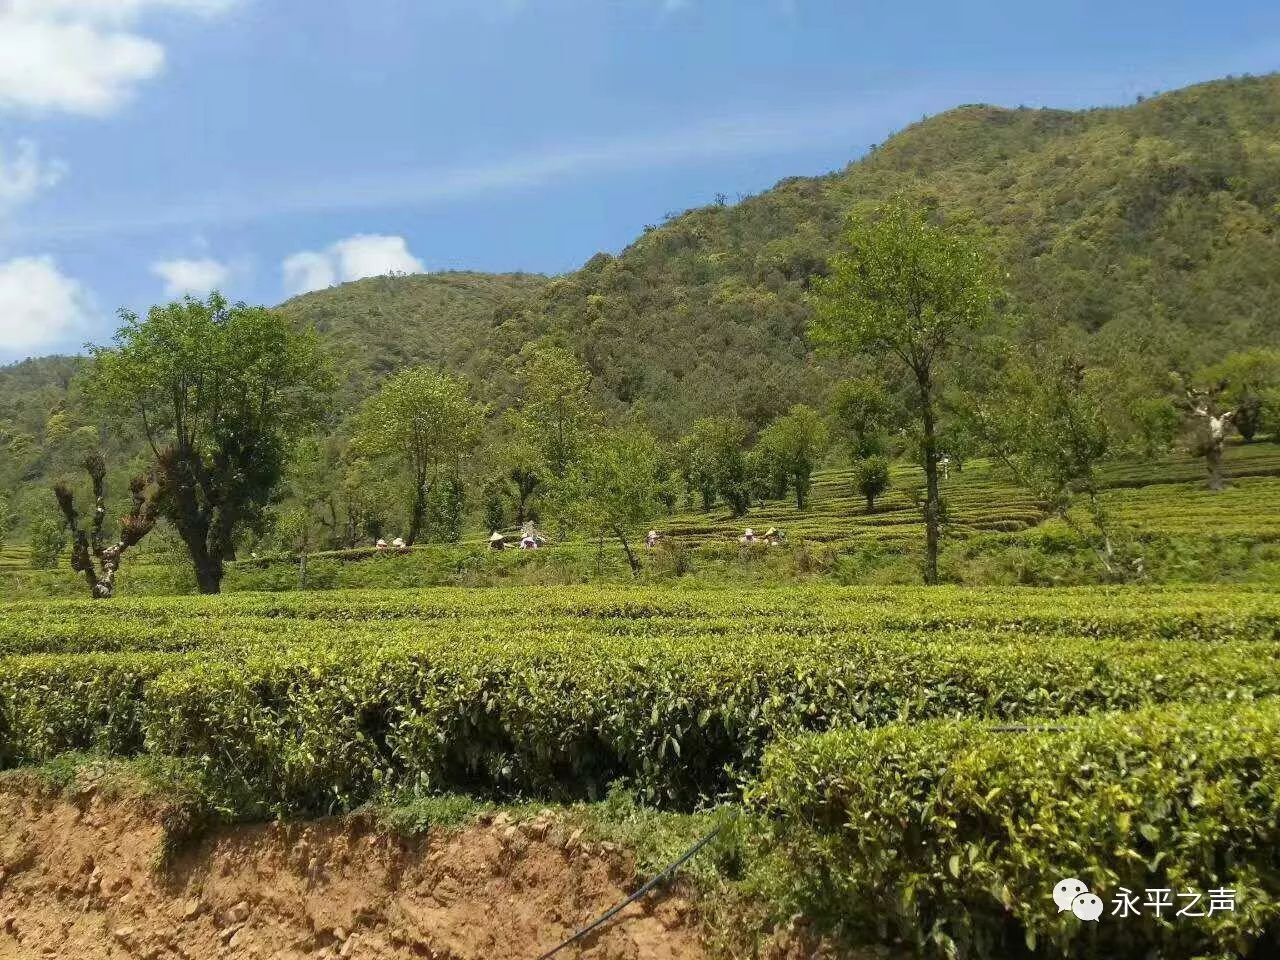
(1167, 496)
(297, 704)
(311, 703)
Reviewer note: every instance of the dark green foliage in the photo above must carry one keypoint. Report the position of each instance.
(381, 325)
(790, 448)
(47, 541)
(316, 702)
(953, 837)
(216, 392)
(714, 464)
(863, 414)
(871, 477)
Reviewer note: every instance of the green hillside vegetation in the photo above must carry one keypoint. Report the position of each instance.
(1152, 227)
(384, 324)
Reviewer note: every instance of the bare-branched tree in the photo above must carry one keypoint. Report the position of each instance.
(1210, 426)
(90, 555)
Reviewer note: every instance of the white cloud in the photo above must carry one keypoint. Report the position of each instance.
(40, 307)
(365, 255)
(80, 56)
(24, 174)
(306, 271)
(197, 277)
(370, 255)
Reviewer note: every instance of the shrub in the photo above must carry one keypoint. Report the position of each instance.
(48, 542)
(952, 837)
(311, 703)
(871, 477)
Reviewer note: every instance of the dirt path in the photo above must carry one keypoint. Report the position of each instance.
(77, 881)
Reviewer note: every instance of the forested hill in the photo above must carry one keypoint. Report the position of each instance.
(384, 324)
(1154, 223)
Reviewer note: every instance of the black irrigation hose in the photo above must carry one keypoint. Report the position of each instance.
(610, 914)
(692, 852)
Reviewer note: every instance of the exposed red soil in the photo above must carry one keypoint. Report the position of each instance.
(78, 879)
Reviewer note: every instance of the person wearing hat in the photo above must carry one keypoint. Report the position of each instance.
(749, 537)
(651, 539)
(496, 541)
(773, 537)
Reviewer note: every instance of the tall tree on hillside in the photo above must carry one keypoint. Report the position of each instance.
(615, 490)
(428, 421)
(218, 392)
(912, 287)
(714, 464)
(555, 409)
(797, 441)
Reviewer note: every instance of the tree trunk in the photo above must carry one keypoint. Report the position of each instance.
(802, 483)
(418, 515)
(933, 498)
(871, 503)
(209, 571)
(1213, 455)
(626, 547)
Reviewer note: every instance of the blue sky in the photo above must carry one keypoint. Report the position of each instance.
(266, 146)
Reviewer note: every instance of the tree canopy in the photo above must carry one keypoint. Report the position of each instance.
(218, 392)
(428, 422)
(911, 286)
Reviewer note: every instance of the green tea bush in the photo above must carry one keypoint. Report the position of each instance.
(952, 837)
(313, 703)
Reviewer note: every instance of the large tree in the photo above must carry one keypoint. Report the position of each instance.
(795, 443)
(909, 286)
(218, 391)
(615, 489)
(1208, 423)
(713, 463)
(555, 411)
(428, 421)
(1049, 418)
(1247, 377)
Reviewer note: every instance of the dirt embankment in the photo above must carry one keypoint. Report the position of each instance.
(78, 880)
